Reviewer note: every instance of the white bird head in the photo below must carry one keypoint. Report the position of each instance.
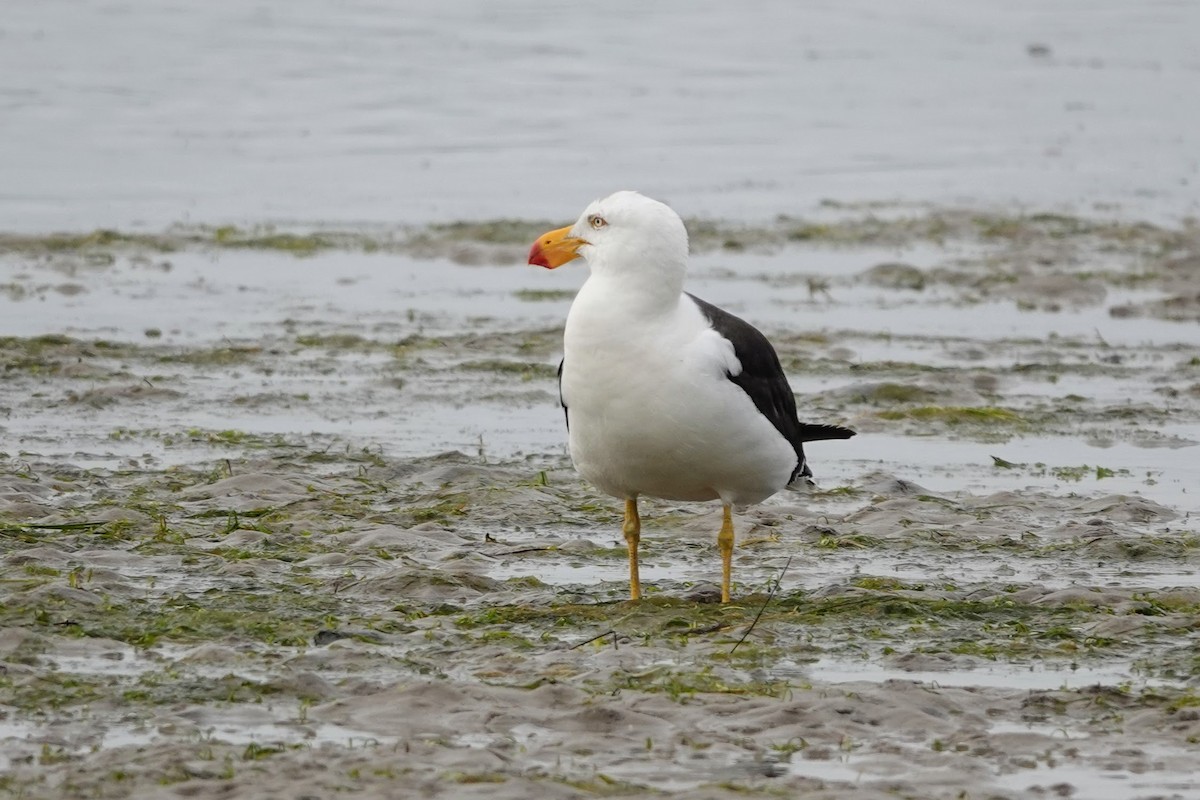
(624, 233)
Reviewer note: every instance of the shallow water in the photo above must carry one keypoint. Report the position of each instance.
(1104, 784)
(1030, 677)
(221, 111)
(1040, 780)
(264, 301)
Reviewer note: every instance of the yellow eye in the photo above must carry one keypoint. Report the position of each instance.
(597, 222)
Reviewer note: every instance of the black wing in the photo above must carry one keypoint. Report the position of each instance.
(763, 380)
(561, 402)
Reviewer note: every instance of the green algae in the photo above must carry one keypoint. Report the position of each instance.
(495, 231)
(525, 370)
(339, 341)
(543, 295)
(892, 393)
(82, 242)
(1073, 473)
(679, 684)
(957, 415)
(936, 226)
(224, 355)
(265, 239)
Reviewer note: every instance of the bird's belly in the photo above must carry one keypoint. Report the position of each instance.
(674, 434)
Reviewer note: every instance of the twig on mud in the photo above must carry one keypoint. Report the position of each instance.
(763, 607)
(609, 632)
(527, 550)
(55, 526)
(716, 626)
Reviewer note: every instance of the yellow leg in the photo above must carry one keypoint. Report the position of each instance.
(633, 533)
(725, 542)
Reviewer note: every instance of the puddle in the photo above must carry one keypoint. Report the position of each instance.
(25, 740)
(1041, 728)
(1103, 784)
(1165, 475)
(1084, 780)
(1001, 676)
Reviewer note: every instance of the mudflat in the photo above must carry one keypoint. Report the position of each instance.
(288, 513)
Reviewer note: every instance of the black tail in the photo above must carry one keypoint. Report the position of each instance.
(818, 433)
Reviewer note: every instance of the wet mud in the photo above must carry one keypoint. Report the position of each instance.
(290, 513)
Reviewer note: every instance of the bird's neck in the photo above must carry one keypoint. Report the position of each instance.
(643, 296)
(647, 280)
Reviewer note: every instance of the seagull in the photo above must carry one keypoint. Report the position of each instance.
(664, 394)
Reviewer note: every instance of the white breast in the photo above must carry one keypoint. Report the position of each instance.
(652, 410)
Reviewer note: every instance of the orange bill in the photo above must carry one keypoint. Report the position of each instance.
(555, 248)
